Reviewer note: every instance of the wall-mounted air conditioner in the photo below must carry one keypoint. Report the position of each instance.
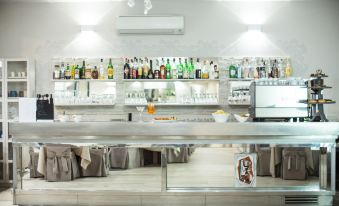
(151, 25)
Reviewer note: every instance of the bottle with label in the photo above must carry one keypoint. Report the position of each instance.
(198, 69)
(205, 70)
(191, 69)
(110, 71)
(150, 73)
(72, 69)
(126, 69)
(174, 69)
(95, 73)
(239, 71)
(145, 69)
(83, 70)
(216, 71)
(135, 68)
(211, 70)
(157, 70)
(180, 68)
(162, 69)
(232, 71)
(77, 72)
(140, 70)
(168, 70)
(101, 70)
(131, 68)
(88, 72)
(56, 73)
(288, 69)
(68, 72)
(62, 71)
(185, 70)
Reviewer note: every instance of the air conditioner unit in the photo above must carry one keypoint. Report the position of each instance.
(151, 25)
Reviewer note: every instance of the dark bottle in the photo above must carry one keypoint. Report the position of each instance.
(131, 66)
(150, 73)
(82, 71)
(162, 69)
(126, 69)
(95, 73)
(135, 68)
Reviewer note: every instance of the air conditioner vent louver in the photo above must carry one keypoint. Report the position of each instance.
(154, 25)
(301, 200)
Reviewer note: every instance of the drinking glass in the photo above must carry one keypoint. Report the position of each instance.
(140, 110)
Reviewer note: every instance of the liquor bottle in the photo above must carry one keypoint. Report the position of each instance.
(88, 72)
(145, 69)
(95, 73)
(82, 71)
(275, 70)
(126, 69)
(56, 73)
(232, 71)
(77, 72)
(198, 69)
(168, 70)
(211, 71)
(239, 71)
(216, 71)
(101, 70)
(150, 72)
(191, 69)
(68, 72)
(131, 67)
(72, 69)
(174, 69)
(62, 71)
(288, 69)
(185, 70)
(135, 68)
(162, 69)
(157, 70)
(180, 69)
(281, 69)
(141, 62)
(110, 71)
(205, 71)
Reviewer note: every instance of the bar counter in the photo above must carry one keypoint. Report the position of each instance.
(178, 134)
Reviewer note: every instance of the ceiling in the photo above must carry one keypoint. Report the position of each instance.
(57, 1)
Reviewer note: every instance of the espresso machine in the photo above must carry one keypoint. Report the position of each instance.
(278, 100)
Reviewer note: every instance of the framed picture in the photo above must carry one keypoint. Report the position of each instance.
(245, 169)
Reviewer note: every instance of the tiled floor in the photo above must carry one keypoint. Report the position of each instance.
(6, 198)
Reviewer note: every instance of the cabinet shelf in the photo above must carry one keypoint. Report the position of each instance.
(17, 80)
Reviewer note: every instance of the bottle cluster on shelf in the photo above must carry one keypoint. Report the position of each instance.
(170, 68)
(257, 68)
(76, 71)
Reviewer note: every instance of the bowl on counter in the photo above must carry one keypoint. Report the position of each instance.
(220, 118)
(241, 118)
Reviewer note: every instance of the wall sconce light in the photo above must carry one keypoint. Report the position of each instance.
(254, 28)
(86, 28)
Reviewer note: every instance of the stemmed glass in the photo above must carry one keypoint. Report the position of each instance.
(140, 110)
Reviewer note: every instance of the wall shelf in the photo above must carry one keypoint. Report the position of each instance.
(84, 80)
(170, 80)
(81, 105)
(172, 104)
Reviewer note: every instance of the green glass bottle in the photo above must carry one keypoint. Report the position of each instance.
(180, 69)
(168, 70)
(232, 70)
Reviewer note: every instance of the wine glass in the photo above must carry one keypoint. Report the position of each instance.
(140, 110)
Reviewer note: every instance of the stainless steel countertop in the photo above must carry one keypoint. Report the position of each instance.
(175, 133)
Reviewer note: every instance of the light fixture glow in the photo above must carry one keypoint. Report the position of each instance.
(87, 28)
(254, 28)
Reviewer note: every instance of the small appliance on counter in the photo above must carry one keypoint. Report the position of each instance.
(45, 107)
(316, 86)
(278, 100)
